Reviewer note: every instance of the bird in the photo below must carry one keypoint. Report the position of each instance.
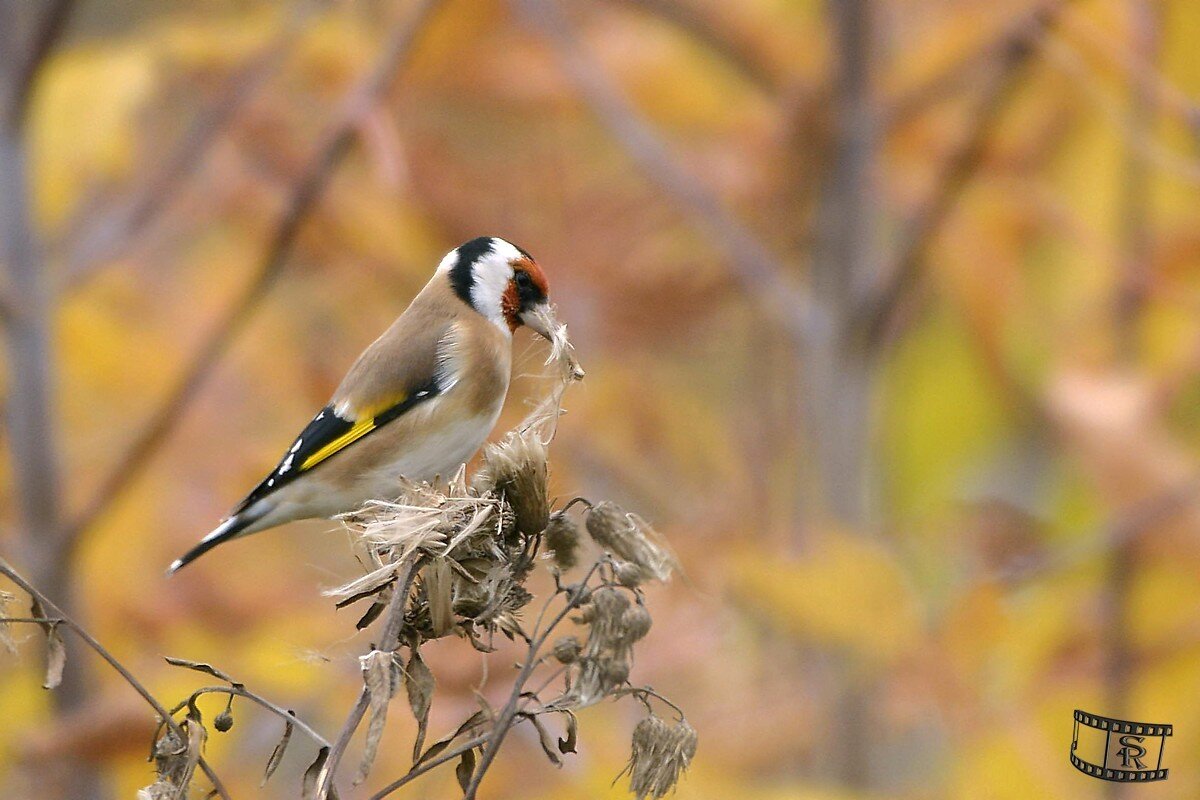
(416, 404)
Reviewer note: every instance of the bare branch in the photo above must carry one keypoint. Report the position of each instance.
(51, 17)
(388, 640)
(62, 619)
(760, 273)
(419, 770)
(301, 201)
(109, 232)
(875, 313)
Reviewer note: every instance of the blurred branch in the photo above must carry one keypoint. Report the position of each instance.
(56, 613)
(966, 70)
(110, 231)
(301, 200)
(760, 273)
(715, 32)
(22, 60)
(875, 314)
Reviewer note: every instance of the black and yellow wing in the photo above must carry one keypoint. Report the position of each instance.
(329, 434)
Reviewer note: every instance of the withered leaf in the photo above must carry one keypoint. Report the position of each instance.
(567, 745)
(546, 740)
(277, 753)
(309, 791)
(444, 742)
(56, 649)
(465, 769)
(371, 615)
(379, 676)
(419, 684)
(208, 669)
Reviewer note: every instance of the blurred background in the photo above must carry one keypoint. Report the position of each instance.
(889, 313)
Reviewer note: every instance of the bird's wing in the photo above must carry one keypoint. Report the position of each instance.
(394, 375)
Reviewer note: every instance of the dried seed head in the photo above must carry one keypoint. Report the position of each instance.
(660, 753)
(562, 538)
(630, 538)
(516, 469)
(223, 721)
(635, 622)
(629, 574)
(567, 650)
(613, 671)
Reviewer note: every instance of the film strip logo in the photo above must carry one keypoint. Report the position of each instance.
(1116, 750)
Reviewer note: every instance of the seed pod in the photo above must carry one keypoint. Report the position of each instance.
(635, 622)
(562, 538)
(567, 650)
(223, 721)
(628, 537)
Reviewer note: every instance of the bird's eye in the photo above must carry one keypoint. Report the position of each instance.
(523, 280)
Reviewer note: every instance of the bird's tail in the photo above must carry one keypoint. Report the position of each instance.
(229, 529)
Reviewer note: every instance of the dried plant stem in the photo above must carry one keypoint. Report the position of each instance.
(279, 711)
(100, 650)
(504, 721)
(388, 640)
(419, 770)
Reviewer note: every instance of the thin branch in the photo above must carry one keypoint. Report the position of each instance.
(504, 719)
(388, 640)
(47, 30)
(425, 766)
(301, 201)
(874, 315)
(239, 690)
(760, 273)
(110, 232)
(963, 72)
(101, 651)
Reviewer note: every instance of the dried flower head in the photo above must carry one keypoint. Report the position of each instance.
(567, 650)
(515, 468)
(561, 537)
(631, 539)
(659, 755)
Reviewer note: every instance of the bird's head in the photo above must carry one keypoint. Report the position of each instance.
(500, 281)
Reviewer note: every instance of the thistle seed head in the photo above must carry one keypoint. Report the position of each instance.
(562, 539)
(631, 539)
(659, 755)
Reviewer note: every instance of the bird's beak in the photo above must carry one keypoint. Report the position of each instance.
(541, 320)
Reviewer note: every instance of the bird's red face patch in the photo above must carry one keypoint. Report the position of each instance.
(527, 289)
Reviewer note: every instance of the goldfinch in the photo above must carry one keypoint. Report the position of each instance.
(416, 404)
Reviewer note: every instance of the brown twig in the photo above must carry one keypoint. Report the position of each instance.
(18, 86)
(101, 651)
(760, 273)
(425, 766)
(388, 640)
(238, 690)
(875, 313)
(504, 720)
(301, 201)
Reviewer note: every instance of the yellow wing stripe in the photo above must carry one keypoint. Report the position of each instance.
(359, 430)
